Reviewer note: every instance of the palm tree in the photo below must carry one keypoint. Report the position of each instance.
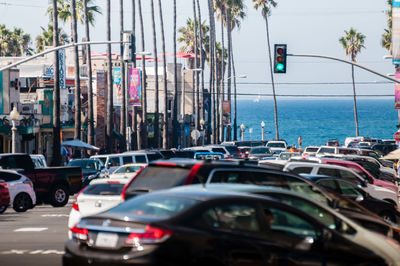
(175, 100)
(90, 88)
(77, 94)
(64, 10)
(46, 38)
(266, 6)
(15, 42)
(56, 95)
(144, 92)
(353, 42)
(109, 125)
(212, 70)
(156, 100)
(165, 121)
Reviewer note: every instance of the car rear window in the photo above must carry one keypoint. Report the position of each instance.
(311, 150)
(276, 145)
(159, 177)
(154, 156)
(155, 207)
(221, 150)
(109, 189)
(232, 149)
(327, 150)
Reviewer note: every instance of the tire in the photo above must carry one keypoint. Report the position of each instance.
(59, 196)
(3, 208)
(22, 202)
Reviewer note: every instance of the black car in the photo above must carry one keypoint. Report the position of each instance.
(348, 189)
(384, 149)
(91, 168)
(212, 228)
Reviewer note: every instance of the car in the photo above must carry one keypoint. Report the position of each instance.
(259, 152)
(345, 173)
(22, 194)
(91, 168)
(98, 196)
(383, 149)
(277, 146)
(327, 150)
(202, 227)
(4, 196)
(333, 142)
(127, 170)
(244, 151)
(310, 151)
(385, 209)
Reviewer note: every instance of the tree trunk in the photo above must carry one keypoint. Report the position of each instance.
(272, 81)
(235, 96)
(202, 113)
(134, 137)
(196, 63)
(229, 33)
(211, 109)
(122, 126)
(165, 120)
(56, 94)
(221, 96)
(355, 102)
(109, 125)
(90, 88)
(144, 82)
(156, 94)
(175, 100)
(77, 117)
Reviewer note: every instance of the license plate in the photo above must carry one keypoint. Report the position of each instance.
(105, 240)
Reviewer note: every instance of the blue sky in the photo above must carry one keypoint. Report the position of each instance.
(312, 26)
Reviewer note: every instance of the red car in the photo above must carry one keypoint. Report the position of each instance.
(4, 196)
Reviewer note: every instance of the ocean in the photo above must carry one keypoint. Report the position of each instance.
(316, 121)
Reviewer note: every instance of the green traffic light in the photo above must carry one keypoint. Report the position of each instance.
(280, 67)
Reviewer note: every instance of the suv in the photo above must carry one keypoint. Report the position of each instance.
(277, 146)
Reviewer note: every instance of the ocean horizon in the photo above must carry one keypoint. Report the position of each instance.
(317, 120)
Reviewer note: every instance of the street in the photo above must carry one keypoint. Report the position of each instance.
(35, 237)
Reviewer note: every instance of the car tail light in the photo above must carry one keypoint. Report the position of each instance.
(79, 233)
(113, 182)
(75, 206)
(150, 235)
(29, 182)
(130, 182)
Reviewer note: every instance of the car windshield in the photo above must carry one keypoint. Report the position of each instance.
(127, 169)
(260, 150)
(109, 189)
(156, 207)
(276, 145)
(287, 156)
(85, 164)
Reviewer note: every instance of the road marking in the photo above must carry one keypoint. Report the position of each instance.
(31, 229)
(55, 215)
(33, 252)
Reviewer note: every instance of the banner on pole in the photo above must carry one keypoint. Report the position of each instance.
(396, 32)
(117, 88)
(226, 112)
(135, 86)
(397, 92)
(62, 69)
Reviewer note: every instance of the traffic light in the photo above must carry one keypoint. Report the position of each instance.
(129, 47)
(280, 58)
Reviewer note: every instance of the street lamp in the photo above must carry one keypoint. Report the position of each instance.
(14, 115)
(262, 130)
(242, 127)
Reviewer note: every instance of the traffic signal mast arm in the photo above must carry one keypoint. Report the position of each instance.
(348, 62)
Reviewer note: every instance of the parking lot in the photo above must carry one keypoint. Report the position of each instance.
(35, 237)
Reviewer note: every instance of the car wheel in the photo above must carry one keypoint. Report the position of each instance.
(388, 216)
(22, 202)
(59, 196)
(3, 209)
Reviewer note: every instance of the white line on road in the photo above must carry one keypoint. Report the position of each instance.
(55, 215)
(33, 252)
(31, 229)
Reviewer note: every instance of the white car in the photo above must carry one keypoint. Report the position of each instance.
(277, 146)
(99, 196)
(127, 170)
(20, 187)
(345, 173)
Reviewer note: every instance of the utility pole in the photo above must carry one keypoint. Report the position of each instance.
(122, 128)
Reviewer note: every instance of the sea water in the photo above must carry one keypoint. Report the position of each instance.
(316, 121)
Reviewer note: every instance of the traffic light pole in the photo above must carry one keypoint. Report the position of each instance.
(347, 62)
(53, 50)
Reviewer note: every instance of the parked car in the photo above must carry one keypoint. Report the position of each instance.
(384, 149)
(310, 151)
(52, 185)
(127, 171)
(100, 195)
(333, 142)
(91, 168)
(244, 151)
(198, 227)
(385, 209)
(4, 196)
(327, 150)
(260, 152)
(20, 187)
(277, 146)
(344, 173)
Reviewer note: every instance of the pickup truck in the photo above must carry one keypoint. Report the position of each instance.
(52, 185)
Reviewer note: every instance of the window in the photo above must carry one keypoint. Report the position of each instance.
(349, 189)
(8, 177)
(349, 176)
(221, 150)
(326, 150)
(154, 156)
(127, 159)
(302, 170)
(329, 184)
(140, 159)
(328, 172)
(127, 169)
(237, 217)
(112, 189)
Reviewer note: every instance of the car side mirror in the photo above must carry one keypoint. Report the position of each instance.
(359, 198)
(306, 244)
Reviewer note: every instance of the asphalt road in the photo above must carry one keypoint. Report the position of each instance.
(35, 237)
